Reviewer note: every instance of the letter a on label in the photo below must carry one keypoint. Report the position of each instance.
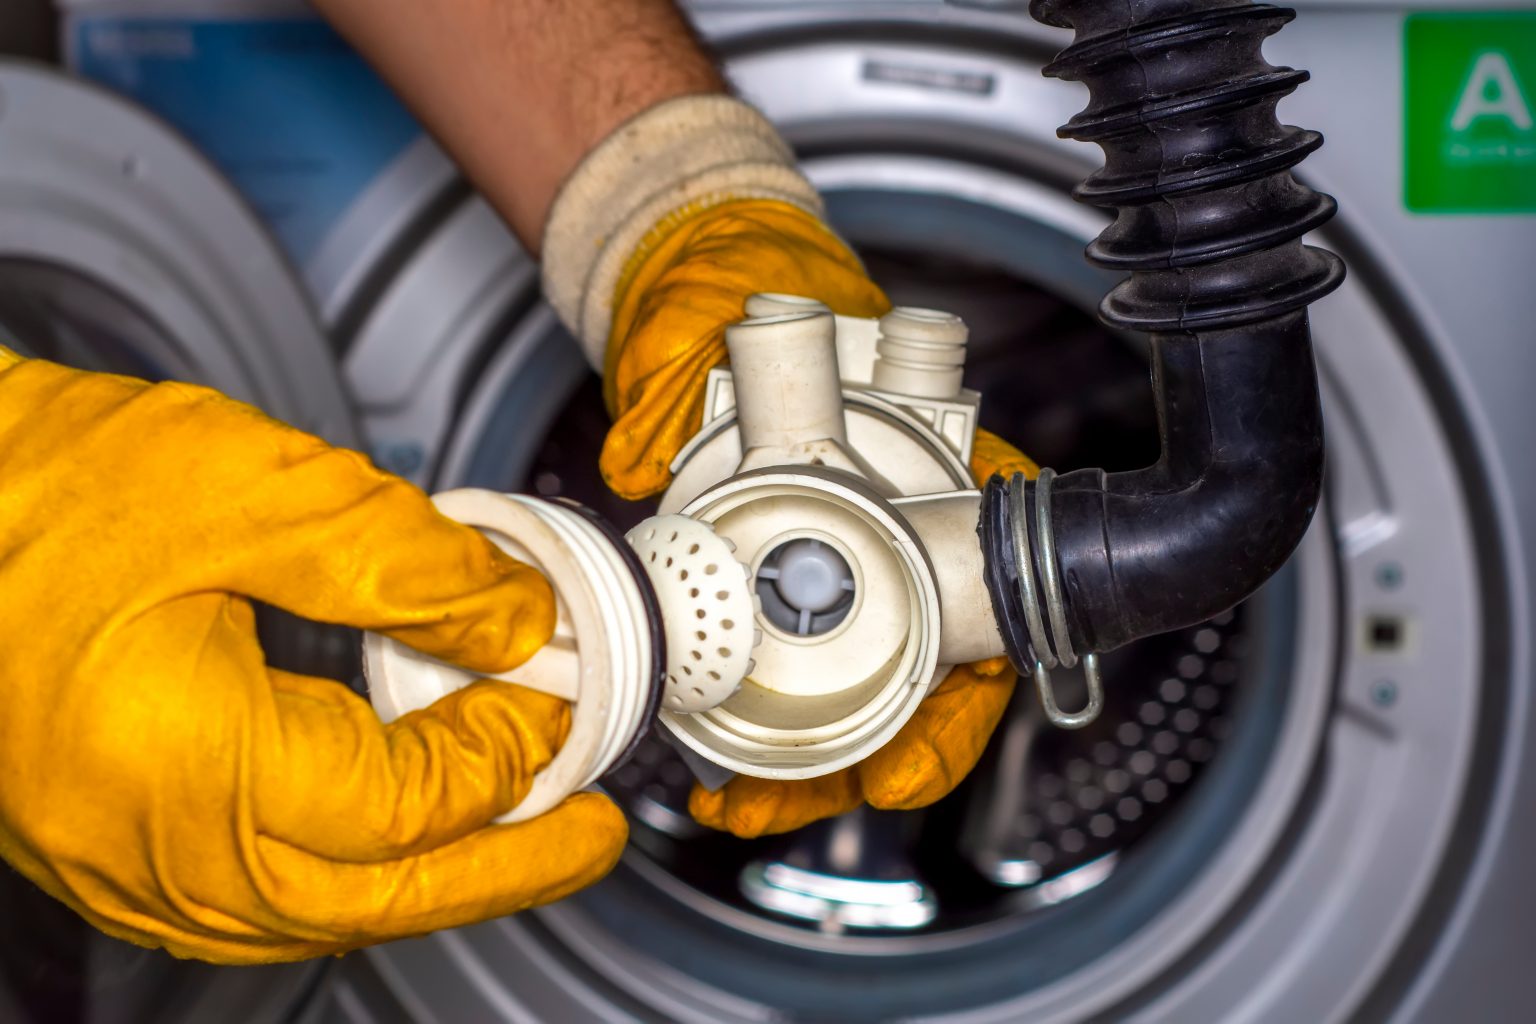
(1491, 91)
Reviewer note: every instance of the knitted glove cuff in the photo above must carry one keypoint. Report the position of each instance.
(693, 151)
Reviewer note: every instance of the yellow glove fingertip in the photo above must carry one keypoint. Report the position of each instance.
(749, 807)
(525, 601)
(992, 456)
(941, 744)
(710, 808)
(745, 807)
(992, 666)
(917, 777)
(592, 834)
(504, 612)
(601, 823)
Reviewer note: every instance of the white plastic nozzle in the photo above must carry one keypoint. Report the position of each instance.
(788, 392)
(921, 352)
(946, 526)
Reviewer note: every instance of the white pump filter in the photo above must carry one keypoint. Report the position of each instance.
(605, 657)
(706, 610)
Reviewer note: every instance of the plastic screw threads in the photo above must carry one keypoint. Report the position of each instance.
(921, 352)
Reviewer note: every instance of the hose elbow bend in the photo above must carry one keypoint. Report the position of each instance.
(1226, 505)
(1137, 554)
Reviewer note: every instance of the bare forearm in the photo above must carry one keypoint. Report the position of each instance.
(518, 91)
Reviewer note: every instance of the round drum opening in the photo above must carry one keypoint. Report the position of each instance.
(1050, 815)
(1060, 842)
(1072, 871)
(1224, 806)
(60, 314)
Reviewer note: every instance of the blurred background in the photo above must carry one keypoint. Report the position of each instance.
(1306, 809)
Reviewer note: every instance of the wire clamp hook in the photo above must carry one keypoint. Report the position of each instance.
(1051, 642)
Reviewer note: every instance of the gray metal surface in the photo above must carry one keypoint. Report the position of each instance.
(1461, 285)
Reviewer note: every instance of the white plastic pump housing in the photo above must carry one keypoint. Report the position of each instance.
(812, 574)
(836, 450)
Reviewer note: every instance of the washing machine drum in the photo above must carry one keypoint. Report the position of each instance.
(1216, 846)
(122, 251)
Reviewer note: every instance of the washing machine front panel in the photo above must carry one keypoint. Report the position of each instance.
(121, 250)
(1463, 294)
(265, 88)
(1298, 904)
(1452, 287)
(1372, 791)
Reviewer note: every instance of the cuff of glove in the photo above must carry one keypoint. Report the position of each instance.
(693, 151)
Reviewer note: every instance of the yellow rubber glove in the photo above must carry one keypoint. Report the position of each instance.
(685, 284)
(157, 776)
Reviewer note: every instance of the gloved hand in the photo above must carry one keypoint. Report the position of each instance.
(653, 249)
(672, 307)
(157, 776)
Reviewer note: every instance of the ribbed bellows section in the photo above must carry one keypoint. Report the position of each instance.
(1197, 165)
